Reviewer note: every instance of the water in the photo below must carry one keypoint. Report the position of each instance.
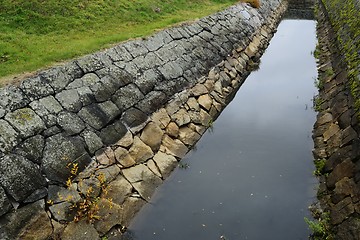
(251, 176)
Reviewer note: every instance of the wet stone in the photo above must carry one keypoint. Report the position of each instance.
(5, 205)
(152, 135)
(161, 118)
(165, 162)
(28, 222)
(26, 121)
(172, 130)
(174, 147)
(129, 208)
(20, 177)
(123, 157)
(139, 151)
(110, 214)
(341, 211)
(126, 140)
(79, 231)
(118, 190)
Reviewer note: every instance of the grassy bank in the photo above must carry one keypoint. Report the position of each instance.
(38, 33)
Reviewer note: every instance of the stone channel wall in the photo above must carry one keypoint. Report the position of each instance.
(336, 131)
(84, 145)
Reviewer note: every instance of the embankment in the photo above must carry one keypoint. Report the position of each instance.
(336, 131)
(84, 145)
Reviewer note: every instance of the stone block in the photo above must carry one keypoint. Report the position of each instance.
(92, 140)
(12, 98)
(174, 147)
(20, 177)
(79, 231)
(127, 96)
(171, 70)
(70, 100)
(161, 118)
(165, 162)
(60, 153)
(5, 205)
(98, 115)
(112, 133)
(35, 88)
(152, 136)
(188, 136)
(90, 63)
(26, 121)
(172, 130)
(126, 140)
(70, 122)
(118, 190)
(152, 101)
(123, 157)
(148, 80)
(28, 222)
(139, 151)
(9, 138)
(134, 118)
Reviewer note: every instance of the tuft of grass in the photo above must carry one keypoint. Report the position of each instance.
(36, 34)
(320, 227)
(319, 167)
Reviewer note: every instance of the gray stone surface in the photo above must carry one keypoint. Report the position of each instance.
(70, 100)
(99, 115)
(112, 133)
(5, 205)
(20, 177)
(134, 117)
(70, 123)
(12, 98)
(26, 121)
(127, 97)
(32, 148)
(92, 140)
(79, 231)
(28, 222)
(35, 88)
(59, 151)
(9, 138)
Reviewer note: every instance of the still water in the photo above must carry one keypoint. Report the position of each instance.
(250, 177)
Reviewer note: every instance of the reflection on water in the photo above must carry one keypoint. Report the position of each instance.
(251, 177)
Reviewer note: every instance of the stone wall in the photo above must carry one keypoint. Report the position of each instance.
(84, 145)
(336, 132)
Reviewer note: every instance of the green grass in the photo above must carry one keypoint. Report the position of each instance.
(38, 33)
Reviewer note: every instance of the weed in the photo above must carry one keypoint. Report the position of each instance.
(320, 227)
(317, 103)
(319, 167)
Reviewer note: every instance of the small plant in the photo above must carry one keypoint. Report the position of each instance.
(320, 227)
(317, 103)
(319, 165)
(319, 83)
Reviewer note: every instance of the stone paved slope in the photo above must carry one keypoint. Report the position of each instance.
(93, 138)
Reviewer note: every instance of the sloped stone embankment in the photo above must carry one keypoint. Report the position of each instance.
(84, 145)
(336, 131)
